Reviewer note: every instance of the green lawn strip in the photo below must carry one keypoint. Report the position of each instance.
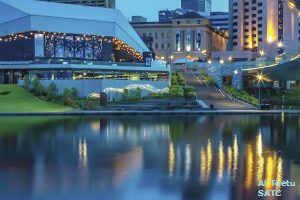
(14, 98)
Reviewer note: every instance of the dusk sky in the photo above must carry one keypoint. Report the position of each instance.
(150, 8)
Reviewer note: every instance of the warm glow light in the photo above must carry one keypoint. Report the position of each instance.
(222, 61)
(209, 159)
(221, 162)
(229, 159)
(235, 155)
(261, 53)
(235, 72)
(171, 159)
(230, 58)
(291, 5)
(249, 170)
(270, 39)
(259, 77)
(209, 61)
(203, 162)
(280, 44)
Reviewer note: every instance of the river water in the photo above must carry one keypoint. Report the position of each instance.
(209, 157)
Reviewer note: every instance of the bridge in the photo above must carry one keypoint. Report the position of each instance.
(284, 67)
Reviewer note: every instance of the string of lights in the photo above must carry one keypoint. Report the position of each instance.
(119, 45)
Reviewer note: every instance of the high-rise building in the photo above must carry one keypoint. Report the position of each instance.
(203, 7)
(96, 3)
(219, 20)
(264, 25)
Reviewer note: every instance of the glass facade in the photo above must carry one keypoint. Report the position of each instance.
(198, 40)
(77, 47)
(98, 74)
(188, 40)
(31, 46)
(178, 41)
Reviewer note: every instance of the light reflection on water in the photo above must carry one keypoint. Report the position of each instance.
(150, 157)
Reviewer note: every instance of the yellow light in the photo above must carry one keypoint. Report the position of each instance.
(280, 44)
(221, 161)
(171, 159)
(259, 77)
(270, 39)
(230, 58)
(291, 5)
(261, 53)
(209, 61)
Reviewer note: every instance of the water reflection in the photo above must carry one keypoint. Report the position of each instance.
(146, 157)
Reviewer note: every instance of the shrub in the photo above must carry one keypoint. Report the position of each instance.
(103, 99)
(176, 91)
(138, 93)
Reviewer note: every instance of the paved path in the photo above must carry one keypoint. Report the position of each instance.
(213, 96)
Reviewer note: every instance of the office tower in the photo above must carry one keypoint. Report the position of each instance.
(260, 25)
(219, 20)
(203, 7)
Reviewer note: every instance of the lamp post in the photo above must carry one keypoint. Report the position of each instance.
(235, 77)
(259, 78)
(280, 46)
(82, 88)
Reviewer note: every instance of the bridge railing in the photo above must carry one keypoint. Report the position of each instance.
(269, 62)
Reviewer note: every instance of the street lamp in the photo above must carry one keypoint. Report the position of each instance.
(209, 61)
(229, 58)
(259, 78)
(235, 77)
(222, 61)
(261, 53)
(82, 87)
(280, 46)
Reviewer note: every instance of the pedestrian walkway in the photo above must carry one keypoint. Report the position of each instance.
(213, 96)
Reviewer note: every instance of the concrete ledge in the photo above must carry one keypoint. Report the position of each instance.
(154, 112)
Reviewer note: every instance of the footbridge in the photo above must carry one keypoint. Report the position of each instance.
(284, 67)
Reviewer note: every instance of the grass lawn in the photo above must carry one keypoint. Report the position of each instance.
(14, 98)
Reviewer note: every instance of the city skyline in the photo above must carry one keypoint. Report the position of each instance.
(150, 9)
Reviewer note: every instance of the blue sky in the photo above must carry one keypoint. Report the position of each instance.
(150, 8)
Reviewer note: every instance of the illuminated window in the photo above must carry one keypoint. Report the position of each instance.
(188, 40)
(178, 41)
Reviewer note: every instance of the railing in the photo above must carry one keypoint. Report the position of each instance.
(270, 62)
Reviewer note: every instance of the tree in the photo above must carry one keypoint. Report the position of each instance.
(37, 87)
(27, 82)
(51, 92)
(125, 94)
(74, 93)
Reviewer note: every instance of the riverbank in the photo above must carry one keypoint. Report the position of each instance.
(154, 112)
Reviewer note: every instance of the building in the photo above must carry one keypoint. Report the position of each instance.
(219, 20)
(203, 7)
(96, 3)
(189, 35)
(73, 46)
(138, 19)
(265, 26)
